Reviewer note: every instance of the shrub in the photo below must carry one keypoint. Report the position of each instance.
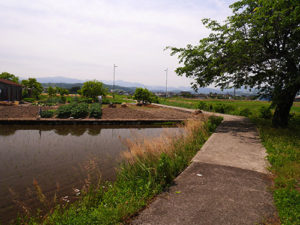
(229, 108)
(64, 111)
(220, 108)
(47, 114)
(95, 110)
(80, 110)
(28, 100)
(202, 105)
(86, 100)
(154, 98)
(51, 101)
(245, 112)
(213, 122)
(265, 112)
(105, 101)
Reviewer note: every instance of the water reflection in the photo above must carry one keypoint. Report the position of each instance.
(63, 155)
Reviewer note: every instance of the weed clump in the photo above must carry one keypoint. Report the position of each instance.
(245, 112)
(95, 111)
(80, 110)
(64, 111)
(47, 114)
(265, 112)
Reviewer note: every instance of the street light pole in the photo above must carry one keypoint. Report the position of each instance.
(166, 82)
(114, 80)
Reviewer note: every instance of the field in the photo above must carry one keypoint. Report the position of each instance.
(238, 105)
(283, 147)
(29, 111)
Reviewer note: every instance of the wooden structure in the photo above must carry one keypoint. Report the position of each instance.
(10, 91)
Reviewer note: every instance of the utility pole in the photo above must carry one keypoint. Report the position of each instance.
(166, 82)
(114, 80)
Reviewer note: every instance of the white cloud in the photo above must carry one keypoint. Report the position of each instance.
(83, 39)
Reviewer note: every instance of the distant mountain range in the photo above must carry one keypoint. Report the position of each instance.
(66, 82)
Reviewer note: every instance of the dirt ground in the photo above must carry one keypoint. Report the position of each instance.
(130, 112)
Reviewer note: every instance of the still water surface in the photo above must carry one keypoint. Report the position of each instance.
(60, 158)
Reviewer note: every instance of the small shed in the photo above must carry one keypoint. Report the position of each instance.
(10, 91)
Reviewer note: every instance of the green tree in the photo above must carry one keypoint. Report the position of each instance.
(143, 95)
(257, 47)
(62, 91)
(92, 89)
(51, 91)
(32, 88)
(74, 90)
(9, 76)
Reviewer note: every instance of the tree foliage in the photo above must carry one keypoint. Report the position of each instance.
(143, 95)
(92, 89)
(9, 76)
(32, 88)
(51, 91)
(62, 91)
(257, 47)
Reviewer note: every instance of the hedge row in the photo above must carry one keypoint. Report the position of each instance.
(75, 110)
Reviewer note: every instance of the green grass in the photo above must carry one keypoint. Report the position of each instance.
(283, 148)
(238, 105)
(150, 170)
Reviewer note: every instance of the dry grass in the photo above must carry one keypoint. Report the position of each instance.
(152, 148)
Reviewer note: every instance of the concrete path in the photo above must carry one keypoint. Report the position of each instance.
(227, 182)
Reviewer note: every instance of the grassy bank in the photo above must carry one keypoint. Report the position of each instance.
(150, 169)
(283, 148)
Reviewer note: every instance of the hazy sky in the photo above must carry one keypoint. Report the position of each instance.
(83, 38)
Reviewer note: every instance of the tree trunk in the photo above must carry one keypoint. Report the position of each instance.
(283, 107)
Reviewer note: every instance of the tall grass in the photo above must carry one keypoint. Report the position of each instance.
(149, 168)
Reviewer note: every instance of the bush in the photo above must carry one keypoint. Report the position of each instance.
(213, 122)
(202, 106)
(51, 101)
(95, 110)
(64, 111)
(28, 100)
(265, 112)
(85, 100)
(222, 108)
(80, 110)
(105, 101)
(154, 98)
(229, 108)
(245, 112)
(47, 114)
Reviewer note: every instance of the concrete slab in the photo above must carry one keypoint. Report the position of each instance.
(235, 143)
(221, 195)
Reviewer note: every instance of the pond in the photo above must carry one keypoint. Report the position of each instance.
(59, 159)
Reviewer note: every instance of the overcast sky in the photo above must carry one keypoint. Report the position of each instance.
(83, 39)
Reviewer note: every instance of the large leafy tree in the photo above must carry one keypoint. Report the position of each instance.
(9, 76)
(257, 47)
(32, 88)
(92, 89)
(144, 95)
